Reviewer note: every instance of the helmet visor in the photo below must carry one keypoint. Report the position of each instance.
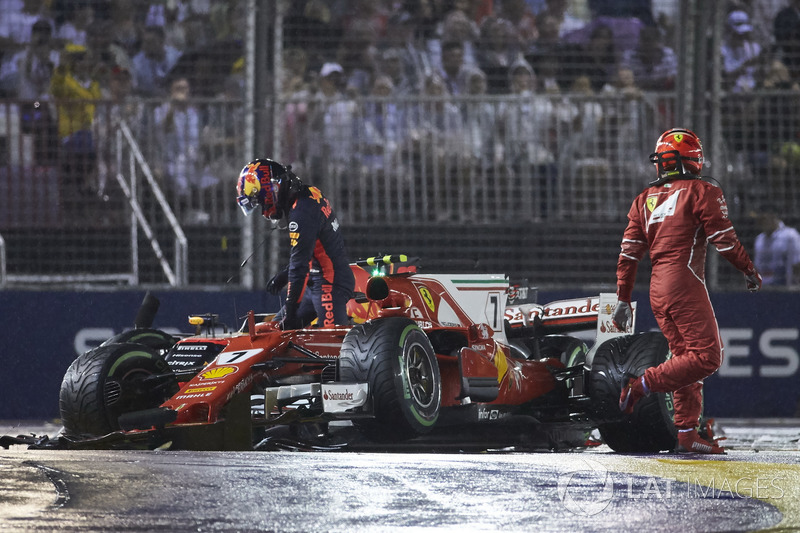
(247, 203)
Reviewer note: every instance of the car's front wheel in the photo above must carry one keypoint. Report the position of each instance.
(109, 381)
(396, 358)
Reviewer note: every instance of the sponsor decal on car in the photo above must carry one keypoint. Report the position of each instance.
(339, 398)
(219, 372)
(427, 297)
(196, 390)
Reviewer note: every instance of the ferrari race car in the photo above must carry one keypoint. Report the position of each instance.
(431, 361)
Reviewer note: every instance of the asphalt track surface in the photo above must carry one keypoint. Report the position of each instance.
(755, 487)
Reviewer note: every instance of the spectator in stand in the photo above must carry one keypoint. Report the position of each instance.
(153, 63)
(529, 123)
(565, 21)
(297, 88)
(436, 133)
(381, 134)
(72, 20)
(640, 9)
(777, 250)
(458, 27)
(391, 65)
(332, 116)
(356, 55)
(75, 90)
(308, 25)
(103, 48)
(498, 49)
(120, 106)
(178, 126)
(600, 63)
(625, 112)
(549, 53)
(27, 73)
(777, 77)
(787, 36)
(654, 65)
(124, 18)
(16, 23)
(520, 15)
(186, 24)
(414, 59)
(481, 121)
(452, 63)
(741, 55)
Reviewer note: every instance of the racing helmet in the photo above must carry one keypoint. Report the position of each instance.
(678, 152)
(260, 183)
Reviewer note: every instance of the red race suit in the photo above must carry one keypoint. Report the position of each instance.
(675, 221)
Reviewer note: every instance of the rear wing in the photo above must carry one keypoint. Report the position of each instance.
(561, 316)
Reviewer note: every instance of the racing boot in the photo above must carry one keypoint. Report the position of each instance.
(709, 431)
(635, 390)
(689, 441)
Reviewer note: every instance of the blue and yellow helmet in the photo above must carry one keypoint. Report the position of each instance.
(259, 185)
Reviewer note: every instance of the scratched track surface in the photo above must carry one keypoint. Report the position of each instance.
(756, 486)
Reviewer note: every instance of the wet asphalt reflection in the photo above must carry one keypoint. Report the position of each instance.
(306, 492)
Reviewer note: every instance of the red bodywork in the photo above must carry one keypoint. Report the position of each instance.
(265, 354)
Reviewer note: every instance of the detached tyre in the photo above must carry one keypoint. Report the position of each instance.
(396, 358)
(109, 381)
(650, 427)
(153, 338)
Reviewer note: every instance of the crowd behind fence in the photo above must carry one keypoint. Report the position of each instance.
(508, 161)
(510, 115)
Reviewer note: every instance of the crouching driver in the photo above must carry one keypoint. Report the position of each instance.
(318, 260)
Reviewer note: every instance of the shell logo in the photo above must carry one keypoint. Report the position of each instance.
(218, 372)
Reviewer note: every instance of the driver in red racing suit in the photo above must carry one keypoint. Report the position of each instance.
(318, 260)
(674, 219)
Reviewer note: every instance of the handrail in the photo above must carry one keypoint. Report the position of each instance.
(178, 276)
(3, 277)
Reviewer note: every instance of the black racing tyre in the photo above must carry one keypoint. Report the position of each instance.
(154, 338)
(574, 353)
(396, 358)
(106, 382)
(650, 427)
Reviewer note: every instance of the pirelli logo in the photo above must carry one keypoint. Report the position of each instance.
(196, 390)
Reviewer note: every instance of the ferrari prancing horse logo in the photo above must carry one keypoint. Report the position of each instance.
(651, 203)
(428, 297)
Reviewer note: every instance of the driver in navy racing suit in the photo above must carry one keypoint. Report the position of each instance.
(318, 260)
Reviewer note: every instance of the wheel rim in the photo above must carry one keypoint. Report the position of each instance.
(420, 375)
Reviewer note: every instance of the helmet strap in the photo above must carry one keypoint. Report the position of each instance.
(661, 159)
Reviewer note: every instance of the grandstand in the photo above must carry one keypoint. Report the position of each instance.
(530, 172)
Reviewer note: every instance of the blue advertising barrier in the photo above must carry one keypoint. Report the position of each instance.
(44, 331)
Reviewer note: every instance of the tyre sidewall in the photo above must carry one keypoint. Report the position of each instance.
(421, 416)
(86, 398)
(377, 352)
(650, 428)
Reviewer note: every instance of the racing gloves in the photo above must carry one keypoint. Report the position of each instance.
(291, 322)
(278, 281)
(622, 315)
(635, 390)
(753, 279)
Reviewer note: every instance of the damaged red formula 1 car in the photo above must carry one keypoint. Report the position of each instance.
(432, 361)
